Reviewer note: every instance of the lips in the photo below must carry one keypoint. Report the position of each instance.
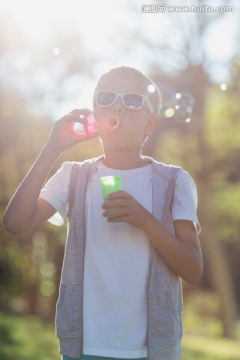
(112, 122)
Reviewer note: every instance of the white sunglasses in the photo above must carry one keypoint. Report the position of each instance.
(131, 101)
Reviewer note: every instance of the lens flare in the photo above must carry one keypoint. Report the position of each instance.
(151, 89)
(56, 51)
(223, 87)
(169, 112)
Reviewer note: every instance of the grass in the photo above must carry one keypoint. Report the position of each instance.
(203, 329)
(29, 338)
(204, 348)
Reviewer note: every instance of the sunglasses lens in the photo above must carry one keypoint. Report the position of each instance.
(105, 98)
(133, 101)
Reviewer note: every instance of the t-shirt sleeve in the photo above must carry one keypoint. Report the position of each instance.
(185, 199)
(56, 193)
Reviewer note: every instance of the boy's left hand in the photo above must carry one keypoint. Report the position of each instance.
(122, 207)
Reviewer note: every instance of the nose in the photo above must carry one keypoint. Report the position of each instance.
(117, 110)
(117, 106)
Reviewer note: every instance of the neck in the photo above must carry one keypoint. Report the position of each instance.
(124, 160)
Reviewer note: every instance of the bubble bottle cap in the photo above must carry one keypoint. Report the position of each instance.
(90, 127)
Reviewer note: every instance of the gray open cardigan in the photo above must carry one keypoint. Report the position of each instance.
(164, 288)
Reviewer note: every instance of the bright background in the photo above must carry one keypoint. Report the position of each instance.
(106, 34)
(51, 55)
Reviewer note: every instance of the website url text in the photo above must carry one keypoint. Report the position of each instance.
(162, 8)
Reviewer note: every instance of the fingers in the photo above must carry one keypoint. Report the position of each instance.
(120, 206)
(118, 199)
(116, 214)
(82, 136)
(119, 194)
(64, 135)
(77, 115)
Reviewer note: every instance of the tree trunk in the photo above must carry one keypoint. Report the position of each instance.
(219, 270)
(220, 273)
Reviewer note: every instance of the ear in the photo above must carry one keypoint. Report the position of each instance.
(151, 123)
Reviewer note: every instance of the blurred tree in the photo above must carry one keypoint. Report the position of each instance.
(21, 136)
(30, 264)
(200, 138)
(33, 79)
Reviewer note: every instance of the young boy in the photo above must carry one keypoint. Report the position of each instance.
(120, 293)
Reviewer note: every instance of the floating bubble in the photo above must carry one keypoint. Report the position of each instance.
(183, 107)
(178, 106)
(184, 98)
(168, 96)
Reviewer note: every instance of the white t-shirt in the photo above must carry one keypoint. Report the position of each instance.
(117, 260)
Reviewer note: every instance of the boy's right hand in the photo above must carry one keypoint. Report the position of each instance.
(63, 136)
(25, 210)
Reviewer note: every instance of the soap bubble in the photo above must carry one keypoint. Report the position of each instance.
(168, 99)
(177, 106)
(183, 107)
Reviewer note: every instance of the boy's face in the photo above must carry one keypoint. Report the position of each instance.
(134, 125)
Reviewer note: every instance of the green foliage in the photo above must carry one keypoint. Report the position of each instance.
(202, 314)
(212, 161)
(223, 136)
(30, 264)
(27, 338)
(203, 328)
(203, 348)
